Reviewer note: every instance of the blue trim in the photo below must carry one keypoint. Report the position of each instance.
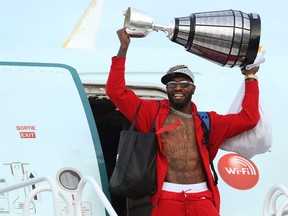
(88, 112)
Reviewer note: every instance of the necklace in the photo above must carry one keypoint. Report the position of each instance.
(184, 115)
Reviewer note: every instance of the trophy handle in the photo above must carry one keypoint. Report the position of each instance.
(139, 24)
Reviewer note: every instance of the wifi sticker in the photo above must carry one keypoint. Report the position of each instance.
(238, 172)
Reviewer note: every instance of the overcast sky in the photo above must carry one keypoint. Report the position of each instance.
(35, 30)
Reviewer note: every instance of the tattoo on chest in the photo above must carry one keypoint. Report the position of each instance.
(181, 140)
(181, 150)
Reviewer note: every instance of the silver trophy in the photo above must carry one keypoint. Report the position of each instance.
(228, 38)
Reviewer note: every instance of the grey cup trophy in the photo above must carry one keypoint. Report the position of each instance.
(228, 38)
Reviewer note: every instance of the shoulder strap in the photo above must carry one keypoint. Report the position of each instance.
(154, 124)
(205, 118)
(135, 117)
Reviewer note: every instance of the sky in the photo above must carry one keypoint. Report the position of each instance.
(35, 30)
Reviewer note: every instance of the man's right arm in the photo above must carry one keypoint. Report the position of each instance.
(122, 97)
(124, 43)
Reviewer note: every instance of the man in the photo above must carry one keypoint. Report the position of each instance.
(185, 183)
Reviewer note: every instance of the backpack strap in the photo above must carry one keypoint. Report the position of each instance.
(205, 119)
(204, 116)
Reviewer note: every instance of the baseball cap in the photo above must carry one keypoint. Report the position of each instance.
(178, 70)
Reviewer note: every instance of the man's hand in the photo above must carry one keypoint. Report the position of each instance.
(250, 74)
(124, 42)
(251, 71)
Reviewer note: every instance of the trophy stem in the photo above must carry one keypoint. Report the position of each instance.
(168, 30)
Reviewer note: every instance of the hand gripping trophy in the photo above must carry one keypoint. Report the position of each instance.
(228, 38)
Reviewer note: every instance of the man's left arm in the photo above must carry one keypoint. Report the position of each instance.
(226, 126)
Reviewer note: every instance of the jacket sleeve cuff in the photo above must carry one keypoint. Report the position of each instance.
(118, 62)
(252, 86)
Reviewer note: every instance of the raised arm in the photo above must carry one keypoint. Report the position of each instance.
(124, 42)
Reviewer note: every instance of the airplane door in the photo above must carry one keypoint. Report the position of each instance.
(47, 128)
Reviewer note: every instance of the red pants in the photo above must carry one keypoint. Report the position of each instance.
(185, 204)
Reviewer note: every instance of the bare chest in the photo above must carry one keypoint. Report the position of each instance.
(180, 147)
(179, 141)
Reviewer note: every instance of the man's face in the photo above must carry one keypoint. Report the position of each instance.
(180, 91)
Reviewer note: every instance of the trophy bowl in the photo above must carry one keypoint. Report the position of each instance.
(137, 23)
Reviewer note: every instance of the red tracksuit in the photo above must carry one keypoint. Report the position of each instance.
(221, 128)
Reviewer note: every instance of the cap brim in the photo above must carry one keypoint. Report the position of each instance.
(168, 77)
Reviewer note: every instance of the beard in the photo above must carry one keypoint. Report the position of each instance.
(180, 105)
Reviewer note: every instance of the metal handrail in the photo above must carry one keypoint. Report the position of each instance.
(282, 208)
(99, 192)
(37, 190)
(56, 193)
(271, 198)
(52, 184)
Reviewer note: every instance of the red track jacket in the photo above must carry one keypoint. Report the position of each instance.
(221, 126)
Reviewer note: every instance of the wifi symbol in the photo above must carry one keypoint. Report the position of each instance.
(238, 172)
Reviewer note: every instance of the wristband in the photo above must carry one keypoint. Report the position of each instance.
(251, 76)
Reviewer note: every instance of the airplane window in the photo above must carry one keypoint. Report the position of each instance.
(69, 179)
